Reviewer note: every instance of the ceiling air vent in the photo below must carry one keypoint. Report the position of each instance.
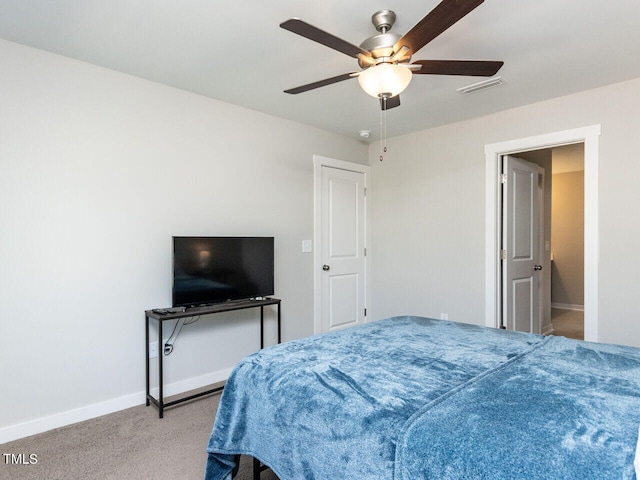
(476, 87)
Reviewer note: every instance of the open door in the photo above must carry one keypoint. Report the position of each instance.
(520, 250)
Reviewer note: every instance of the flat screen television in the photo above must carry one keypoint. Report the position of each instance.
(217, 269)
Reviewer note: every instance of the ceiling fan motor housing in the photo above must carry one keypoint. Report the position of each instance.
(381, 45)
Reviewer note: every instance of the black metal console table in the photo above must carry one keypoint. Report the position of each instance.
(162, 316)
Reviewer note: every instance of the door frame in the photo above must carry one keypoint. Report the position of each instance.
(319, 162)
(590, 136)
(542, 185)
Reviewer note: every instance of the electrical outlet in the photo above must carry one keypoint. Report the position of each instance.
(444, 316)
(153, 350)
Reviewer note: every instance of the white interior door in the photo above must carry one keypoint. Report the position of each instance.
(521, 261)
(343, 278)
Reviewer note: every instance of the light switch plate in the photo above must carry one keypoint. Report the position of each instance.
(306, 246)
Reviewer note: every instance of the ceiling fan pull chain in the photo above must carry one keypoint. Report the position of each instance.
(383, 133)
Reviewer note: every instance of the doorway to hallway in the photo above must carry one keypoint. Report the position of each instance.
(493, 155)
(560, 281)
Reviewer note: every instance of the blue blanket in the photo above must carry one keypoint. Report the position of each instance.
(410, 398)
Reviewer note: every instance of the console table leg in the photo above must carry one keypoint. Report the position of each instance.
(261, 327)
(146, 337)
(160, 379)
(279, 339)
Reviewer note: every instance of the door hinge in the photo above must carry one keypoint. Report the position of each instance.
(365, 191)
(503, 254)
(503, 178)
(365, 312)
(365, 251)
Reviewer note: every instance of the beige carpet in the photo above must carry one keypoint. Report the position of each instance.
(568, 323)
(131, 444)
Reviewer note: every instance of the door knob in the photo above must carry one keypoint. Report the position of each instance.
(326, 268)
(537, 267)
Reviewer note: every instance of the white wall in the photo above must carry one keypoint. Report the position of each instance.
(567, 239)
(428, 209)
(97, 171)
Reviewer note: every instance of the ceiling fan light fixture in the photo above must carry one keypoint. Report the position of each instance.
(386, 78)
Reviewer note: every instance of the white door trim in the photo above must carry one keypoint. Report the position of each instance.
(590, 136)
(319, 162)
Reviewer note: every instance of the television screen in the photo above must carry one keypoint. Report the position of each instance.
(217, 269)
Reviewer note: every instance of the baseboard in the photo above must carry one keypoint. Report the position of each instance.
(548, 330)
(567, 306)
(192, 383)
(39, 425)
(43, 424)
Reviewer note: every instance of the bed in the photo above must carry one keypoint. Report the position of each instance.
(411, 398)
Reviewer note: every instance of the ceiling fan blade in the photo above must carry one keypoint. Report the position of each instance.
(321, 83)
(474, 68)
(389, 102)
(306, 30)
(435, 22)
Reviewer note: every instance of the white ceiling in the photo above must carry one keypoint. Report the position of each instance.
(236, 52)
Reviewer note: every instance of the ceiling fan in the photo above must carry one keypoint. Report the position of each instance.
(385, 58)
